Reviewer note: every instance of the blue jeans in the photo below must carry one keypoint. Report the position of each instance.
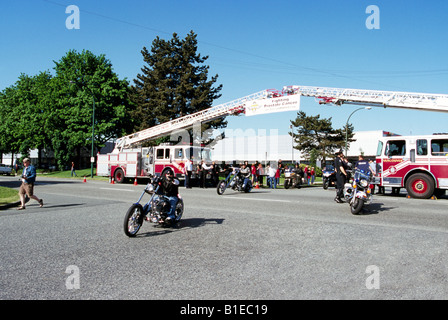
(246, 181)
(173, 203)
(272, 182)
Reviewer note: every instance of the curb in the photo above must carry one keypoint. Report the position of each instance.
(12, 204)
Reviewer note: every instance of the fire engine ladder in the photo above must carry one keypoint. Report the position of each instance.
(233, 107)
(375, 98)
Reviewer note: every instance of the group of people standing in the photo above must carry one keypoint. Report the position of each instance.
(202, 169)
(256, 171)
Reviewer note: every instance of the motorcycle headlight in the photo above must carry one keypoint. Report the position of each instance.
(363, 183)
(149, 188)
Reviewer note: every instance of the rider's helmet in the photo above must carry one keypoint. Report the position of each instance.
(169, 174)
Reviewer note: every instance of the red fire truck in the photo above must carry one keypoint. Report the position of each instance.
(417, 163)
(143, 162)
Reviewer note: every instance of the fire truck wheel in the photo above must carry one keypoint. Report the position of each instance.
(119, 176)
(420, 186)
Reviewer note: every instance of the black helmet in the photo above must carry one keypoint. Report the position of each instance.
(169, 173)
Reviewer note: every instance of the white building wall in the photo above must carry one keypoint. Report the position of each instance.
(262, 147)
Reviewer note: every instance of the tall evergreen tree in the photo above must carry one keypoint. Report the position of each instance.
(173, 83)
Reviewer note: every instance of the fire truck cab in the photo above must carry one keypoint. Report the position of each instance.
(417, 163)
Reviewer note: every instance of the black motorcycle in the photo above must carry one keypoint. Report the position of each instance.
(328, 177)
(155, 210)
(234, 180)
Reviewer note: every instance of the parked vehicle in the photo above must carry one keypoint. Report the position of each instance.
(149, 161)
(359, 191)
(155, 210)
(417, 163)
(328, 177)
(292, 180)
(4, 169)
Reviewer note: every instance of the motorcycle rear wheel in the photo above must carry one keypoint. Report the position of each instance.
(356, 206)
(133, 220)
(221, 187)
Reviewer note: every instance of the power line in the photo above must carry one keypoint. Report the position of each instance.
(350, 75)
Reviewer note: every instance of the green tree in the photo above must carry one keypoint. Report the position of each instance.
(23, 111)
(173, 83)
(85, 88)
(56, 112)
(317, 137)
(8, 116)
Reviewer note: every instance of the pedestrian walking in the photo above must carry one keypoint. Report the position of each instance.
(27, 186)
(73, 171)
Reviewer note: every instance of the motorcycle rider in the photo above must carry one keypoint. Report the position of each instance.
(298, 174)
(245, 174)
(341, 175)
(363, 165)
(170, 188)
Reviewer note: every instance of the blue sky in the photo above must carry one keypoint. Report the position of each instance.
(254, 45)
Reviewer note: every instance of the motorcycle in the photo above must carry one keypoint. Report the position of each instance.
(328, 177)
(359, 192)
(155, 210)
(235, 181)
(292, 180)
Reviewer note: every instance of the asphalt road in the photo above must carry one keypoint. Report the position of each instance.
(268, 244)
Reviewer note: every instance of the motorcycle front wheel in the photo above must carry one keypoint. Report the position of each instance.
(221, 187)
(286, 184)
(133, 220)
(326, 184)
(356, 206)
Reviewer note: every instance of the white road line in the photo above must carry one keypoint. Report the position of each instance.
(117, 189)
(256, 199)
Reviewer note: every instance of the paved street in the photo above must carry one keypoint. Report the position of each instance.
(268, 244)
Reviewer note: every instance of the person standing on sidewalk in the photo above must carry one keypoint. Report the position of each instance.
(27, 187)
(188, 170)
(341, 176)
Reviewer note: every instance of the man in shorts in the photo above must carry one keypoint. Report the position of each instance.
(27, 187)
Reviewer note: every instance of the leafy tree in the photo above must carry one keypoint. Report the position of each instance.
(56, 112)
(173, 83)
(23, 112)
(85, 88)
(8, 116)
(315, 136)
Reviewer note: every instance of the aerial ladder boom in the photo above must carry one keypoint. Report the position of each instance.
(336, 96)
(210, 114)
(375, 98)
